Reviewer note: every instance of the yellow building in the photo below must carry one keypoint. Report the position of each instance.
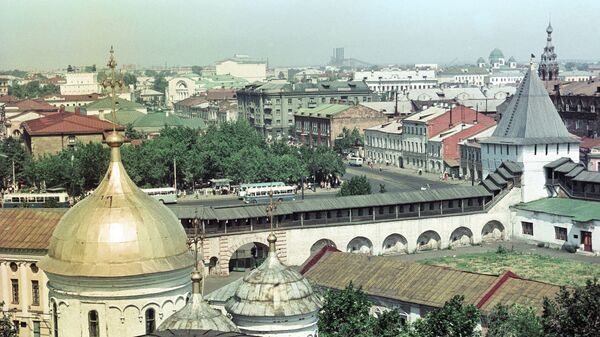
(24, 237)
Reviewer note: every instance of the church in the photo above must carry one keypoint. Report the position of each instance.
(119, 264)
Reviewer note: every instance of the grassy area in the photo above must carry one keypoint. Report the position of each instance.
(531, 266)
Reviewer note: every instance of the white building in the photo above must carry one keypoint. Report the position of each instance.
(180, 88)
(397, 80)
(118, 263)
(435, 148)
(575, 76)
(415, 133)
(80, 84)
(244, 67)
(383, 143)
(506, 77)
(464, 75)
(530, 133)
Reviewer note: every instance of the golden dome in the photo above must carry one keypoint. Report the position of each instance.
(117, 231)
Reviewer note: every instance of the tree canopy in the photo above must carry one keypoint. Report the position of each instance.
(357, 185)
(514, 321)
(231, 150)
(33, 89)
(573, 312)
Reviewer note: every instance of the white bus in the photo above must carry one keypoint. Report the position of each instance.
(260, 195)
(35, 200)
(166, 195)
(355, 161)
(245, 187)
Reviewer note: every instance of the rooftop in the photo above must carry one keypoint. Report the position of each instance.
(323, 111)
(578, 210)
(426, 115)
(28, 228)
(67, 122)
(395, 279)
(531, 117)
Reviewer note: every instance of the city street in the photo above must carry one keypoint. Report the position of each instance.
(395, 180)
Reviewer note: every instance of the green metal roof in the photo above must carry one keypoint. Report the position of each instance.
(106, 103)
(125, 117)
(579, 210)
(358, 201)
(157, 119)
(323, 110)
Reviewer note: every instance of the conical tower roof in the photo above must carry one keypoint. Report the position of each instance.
(273, 290)
(530, 117)
(197, 314)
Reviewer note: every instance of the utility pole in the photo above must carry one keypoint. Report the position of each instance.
(175, 174)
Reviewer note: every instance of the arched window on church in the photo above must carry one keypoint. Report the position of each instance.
(55, 319)
(93, 324)
(150, 321)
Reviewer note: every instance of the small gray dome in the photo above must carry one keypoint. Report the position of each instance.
(273, 289)
(480, 60)
(512, 59)
(496, 54)
(198, 315)
(549, 29)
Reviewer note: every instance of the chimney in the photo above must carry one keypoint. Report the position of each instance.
(78, 110)
(61, 109)
(450, 125)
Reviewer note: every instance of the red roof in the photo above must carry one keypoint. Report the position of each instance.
(590, 143)
(450, 144)
(30, 105)
(220, 94)
(67, 122)
(65, 98)
(459, 114)
(8, 99)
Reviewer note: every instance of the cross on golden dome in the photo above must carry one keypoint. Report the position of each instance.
(114, 84)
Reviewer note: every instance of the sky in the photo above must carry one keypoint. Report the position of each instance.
(45, 34)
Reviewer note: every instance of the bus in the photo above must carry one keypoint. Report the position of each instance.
(245, 187)
(260, 195)
(166, 195)
(35, 200)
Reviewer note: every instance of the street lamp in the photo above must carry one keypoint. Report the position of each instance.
(13, 169)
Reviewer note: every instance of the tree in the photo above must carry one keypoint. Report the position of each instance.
(573, 312)
(389, 324)
(16, 153)
(160, 83)
(454, 319)
(69, 68)
(514, 321)
(130, 79)
(7, 328)
(345, 313)
(348, 139)
(197, 70)
(357, 185)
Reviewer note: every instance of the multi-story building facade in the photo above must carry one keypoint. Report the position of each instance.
(464, 75)
(415, 133)
(470, 154)
(244, 67)
(321, 125)
(397, 80)
(578, 104)
(383, 143)
(3, 86)
(270, 107)
(80, 84)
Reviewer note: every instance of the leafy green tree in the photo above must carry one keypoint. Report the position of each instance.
(33, 89)
(15, 72)
(345, 313)
(15, 152)
(130, 79)
(348, 139)
(573, 312)
(514, 321)
(197, 70)
(70, 69)
(160, 83)
(7, 328)
(389, 324)
(454, 319)
(357, 185)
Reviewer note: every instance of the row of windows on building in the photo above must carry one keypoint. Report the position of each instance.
(36, 328)
(505, 149)
(560, 233)
(401, 87)
(15, 292)
(579, 108)
(317, 128)
(324, 99)
(94, 322)
(397, 144)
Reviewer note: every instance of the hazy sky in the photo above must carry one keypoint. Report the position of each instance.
(50, 34)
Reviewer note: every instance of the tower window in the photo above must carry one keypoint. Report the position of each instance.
(150, 321)
(15, 290)
(55, 318)
(546, 149)
(93, 324)
(535, 149)
(35, 293)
